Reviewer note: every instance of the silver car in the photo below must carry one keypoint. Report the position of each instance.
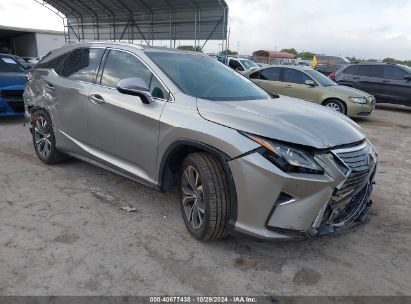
(244, 160)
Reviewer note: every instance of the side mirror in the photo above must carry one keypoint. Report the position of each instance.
(135, 87)
(310, 83)
(407, 77)
(239, 69)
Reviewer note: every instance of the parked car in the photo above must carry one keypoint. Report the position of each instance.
(12, 81)
(328, 64)
(306, 83)
(241, 65)
(389, 83)
(241, 160)
(31, 61)
(21, 61)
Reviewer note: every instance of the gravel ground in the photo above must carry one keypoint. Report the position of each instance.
(62, 232)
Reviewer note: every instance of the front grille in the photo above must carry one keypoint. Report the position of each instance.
(360, 163)
(14, 99)
(349, 196)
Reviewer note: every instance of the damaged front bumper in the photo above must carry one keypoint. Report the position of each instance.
(273, 204)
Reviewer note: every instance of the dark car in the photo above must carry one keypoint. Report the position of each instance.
(12, 82)
(389, 83)
(328, 64)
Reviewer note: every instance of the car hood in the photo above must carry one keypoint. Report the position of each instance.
(340, 89)
(284, 119)
(12, 79)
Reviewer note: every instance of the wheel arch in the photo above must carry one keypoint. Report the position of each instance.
(171, 162)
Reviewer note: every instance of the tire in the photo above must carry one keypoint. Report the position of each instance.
(44, 141)
(210, 199)
(336, 105)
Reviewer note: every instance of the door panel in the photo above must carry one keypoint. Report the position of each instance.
(394, 88)
(294, 85)
(67, 87)
(269, 80)
(123, 131)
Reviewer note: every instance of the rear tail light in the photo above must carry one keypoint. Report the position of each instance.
(332, 76)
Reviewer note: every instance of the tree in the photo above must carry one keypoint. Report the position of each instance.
(230, 53)
(189, 48)
(306, 55)
(291, 51)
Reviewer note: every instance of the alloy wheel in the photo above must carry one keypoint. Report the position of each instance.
(42, 137)
(334, 106)
(193, 197)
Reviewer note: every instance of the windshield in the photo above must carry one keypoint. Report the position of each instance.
(9, 65)
(202, 77)
(320, 78)
(248, 64)
(406, 68)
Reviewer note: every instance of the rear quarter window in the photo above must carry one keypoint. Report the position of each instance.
(351, 70)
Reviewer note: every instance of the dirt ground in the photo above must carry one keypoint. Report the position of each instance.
(62, 232)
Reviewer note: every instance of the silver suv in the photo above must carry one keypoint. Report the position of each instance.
(268, 166)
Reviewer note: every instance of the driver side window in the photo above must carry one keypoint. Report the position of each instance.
(121, 65)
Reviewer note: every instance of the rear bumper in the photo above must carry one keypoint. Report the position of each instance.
(272, 204)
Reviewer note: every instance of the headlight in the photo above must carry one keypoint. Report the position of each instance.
(360, 100)
(286, 158)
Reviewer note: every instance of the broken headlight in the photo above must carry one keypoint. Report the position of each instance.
(287, 158)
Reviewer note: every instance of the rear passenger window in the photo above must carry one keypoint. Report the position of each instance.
(52, 62)
(394, 73)
(81, 64)
(352, 70)
(272, 74)
(370, 71)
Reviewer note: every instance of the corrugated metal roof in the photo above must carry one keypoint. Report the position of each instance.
(144, 19)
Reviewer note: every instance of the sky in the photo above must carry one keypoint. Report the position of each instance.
(360, 28)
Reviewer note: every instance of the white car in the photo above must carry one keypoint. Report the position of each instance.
(241, 65)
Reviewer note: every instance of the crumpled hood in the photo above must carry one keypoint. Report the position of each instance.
(347, 90)
(284, 119)
(12, 79)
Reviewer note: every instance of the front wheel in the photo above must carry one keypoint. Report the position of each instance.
(204, 197)
(335, 105)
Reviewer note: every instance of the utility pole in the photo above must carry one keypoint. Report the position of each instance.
(238, 48)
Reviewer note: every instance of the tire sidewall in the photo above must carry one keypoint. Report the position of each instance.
(50, 156)
(201, 233)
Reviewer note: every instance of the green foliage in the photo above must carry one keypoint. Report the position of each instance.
(306, 55)
(189, 48)
(291, 51)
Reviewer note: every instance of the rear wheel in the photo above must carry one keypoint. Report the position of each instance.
(44, 140)
(204, 197)
(335, 105)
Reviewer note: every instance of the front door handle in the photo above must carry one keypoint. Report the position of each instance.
(50, 86)
(288, 86)
(356, 78)
(386, 81)
(96, 99)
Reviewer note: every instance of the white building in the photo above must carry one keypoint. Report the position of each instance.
(29, 42)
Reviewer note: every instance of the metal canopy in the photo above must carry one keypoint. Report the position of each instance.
(144, 20)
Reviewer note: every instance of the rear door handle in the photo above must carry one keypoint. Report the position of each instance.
(386, 81)
(96, 99)
(356, 78)
(288, 86)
